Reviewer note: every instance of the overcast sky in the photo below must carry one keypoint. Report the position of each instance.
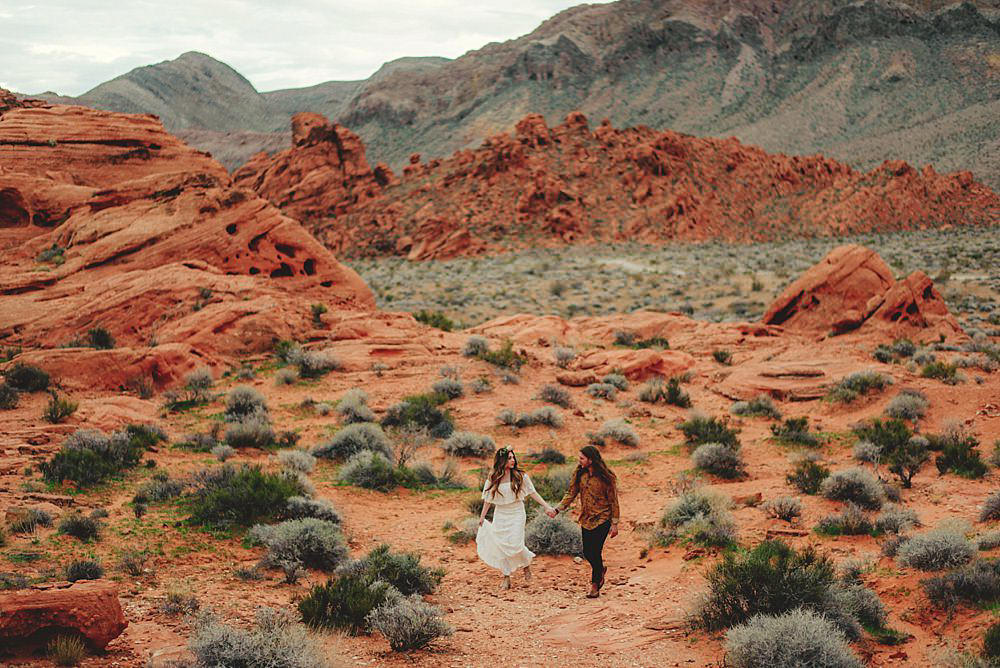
(70, 46)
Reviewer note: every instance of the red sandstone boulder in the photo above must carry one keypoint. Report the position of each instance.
(636, 364)
(91, 608)
(853, 288)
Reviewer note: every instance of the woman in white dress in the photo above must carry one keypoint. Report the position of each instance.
(500, 543)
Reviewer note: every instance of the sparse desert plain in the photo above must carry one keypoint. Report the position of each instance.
(205, 410)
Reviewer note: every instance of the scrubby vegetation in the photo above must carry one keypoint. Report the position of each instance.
(409, 623)
(718, 459)
(856, 385)
(670, 393)
(808, 475)
(944, 547)
(698, 516)
(355, 438)
(301, 543)
(783, 508)
(699, 429)
(796, 638)
(230, 496)
(854, 485)
(421, 411)
(559, 535)
(795, 431)
(959, 452)
(615, 430)
(546, 415)
(274, 640)
(468, 444)
(88, 457)
(759, 406)
(26, 378)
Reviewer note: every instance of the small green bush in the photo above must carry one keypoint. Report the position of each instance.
(991, 643)
(345, 602)
(991, 508)
(355, 438)
(602, 391)
(783, 508)
(8, 397)
(943, 371)
(307, 543)
(795, 431)
(100, 338)
(546, 415)
(26, 378)
(244, 401)
(58, 409)
(552, 485)
(800, 638)
(553, 394)
(421, 411)
(66, 650)
(402, 570)
(230, 496)
(723, 357)
(370, 470)
(857, 384)
(670, 393)
(698, 516)
(701, 429)
(852, 521)
(88, 457)
(759, 406)
(80, 527)
(808, 475)
(86, 569)
(550, 455)
(160, 488)
(409, 623)
(434, 319)
(505, 357)
(29, 519)
(468, 444)
(301, 507)
(959, 453)
(718, 459)
(252, 431)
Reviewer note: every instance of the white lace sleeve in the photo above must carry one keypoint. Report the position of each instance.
(528, 490)
(486, 495)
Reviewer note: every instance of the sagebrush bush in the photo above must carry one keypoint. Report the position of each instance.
(308, 543)
(907, 407)
(759, 406)
(851, 521)
(80, 527)
(371, 470)
(160, 488)
(354, 438)
(563, 356)
(944, 547)
(8, 397)
(977, 583)
(252, 431)
(896, 519)
(29, 519)
(301, 507)
(274, 641)
(402, 570)
(943, 371)
(244, 401)
(797, 638)
(991, 644)
(554, 394)
(449, 387)
(771, 579)
(671, 393)
(223, 452)
(84, 569)
(718, 459)
(133, 562)
(991, 508)
(795, 431)
(297, 460)
(699, 516)
(421, 411)
(353, 407)
(345, 602)
(959, 452)
(481, 385)
(26, 378)
(475, 346)
(855, 485)
(88, 457)
(988, 541)
(469, 444)
(548, 455)
(619, 430)
(857, 384)
(619, 381)
(553, 484)
(559, 535)
(229, 496)
(784, 508)
(58, 409)
(316, 363)
(867, 452)
(546, 415)
(700, 429)
(602, 391)
(286, 376)
(409, 623)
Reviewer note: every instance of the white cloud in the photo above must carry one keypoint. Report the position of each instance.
(72, 45)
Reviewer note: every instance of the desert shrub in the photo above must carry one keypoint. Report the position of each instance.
(504, 357)
(559, 535)
(602, 391)
(797, 637)
(421, 410)
(905, 461)
(759, 406)
(133, 562)
(988, 541)
(480, 385)
(80, 527)
(619, 381)
(229, 496)
(252, 431)
(286, 376)
(345, 602)
(409, 623)
(698, 516)
(248, 573)
(508, 377)
(468, 444)
(854, 485)
(88, 457)
(546, 415)
(402, 570)
(274, 641)
(29, 519)
(896, 519)
(851, 521)
(244, 401)
(991, 644)
(977, 583)
(475, 346)
(959, 453)
(435, 319)
(671, 393)
(223, 452)
(723, 357)
(26, 378)
(371, 470)
(8, 397)
(10, 581)
(297, 460)
(857, 384)
(886, 435)
(308, 543)
(422, 474)
(784, 508)
(301, 507)
(553, 484)
(316, 363)
(554, 394)
(160, 488)
(353, 407)
(907, 407)
(355, 438)
(770, 579)
(563, 356)
(100, 338)
(619, 430)
(548, 455)
(66, 650)
(58, 409)
(943, 371)
(448, 387)
(991, 508)
(719, 459)
(795, 430)
(198, 383)
(944, 547)
(701, 429)
(84, 569)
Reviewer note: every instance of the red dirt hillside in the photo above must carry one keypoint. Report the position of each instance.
(148, 238)
(568, 184)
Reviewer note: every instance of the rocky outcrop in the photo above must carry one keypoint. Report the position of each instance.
(543, 186)
(324, 173)
(851, 289)
(107, 220)
(32, 616)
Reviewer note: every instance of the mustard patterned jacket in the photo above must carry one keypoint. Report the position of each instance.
(598, 500)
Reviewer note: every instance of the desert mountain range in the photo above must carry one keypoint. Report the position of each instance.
(856, 81)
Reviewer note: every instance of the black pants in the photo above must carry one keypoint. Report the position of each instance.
(593, 545)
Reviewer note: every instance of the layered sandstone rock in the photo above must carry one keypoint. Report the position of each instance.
(852, 288)
(151, 240)
(570, 184)
(90, 608)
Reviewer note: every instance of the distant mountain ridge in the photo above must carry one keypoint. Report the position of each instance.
(858, 81)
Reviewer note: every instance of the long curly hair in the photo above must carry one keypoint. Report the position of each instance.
(500, 468)
(597, 466)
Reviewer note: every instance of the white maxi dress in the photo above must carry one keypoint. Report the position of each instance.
(500, 543)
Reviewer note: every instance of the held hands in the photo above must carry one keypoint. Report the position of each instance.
(552, 512)
(614, 531)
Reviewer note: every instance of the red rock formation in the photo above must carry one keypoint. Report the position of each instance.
(91, 608)
(853, 288)
(567, 184)
(155, 243)
(323, 174)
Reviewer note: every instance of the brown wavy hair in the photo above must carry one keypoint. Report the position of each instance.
(500, 467)
(597, 466)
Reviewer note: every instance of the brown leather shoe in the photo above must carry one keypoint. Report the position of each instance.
(604, 574)
(594, 591)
